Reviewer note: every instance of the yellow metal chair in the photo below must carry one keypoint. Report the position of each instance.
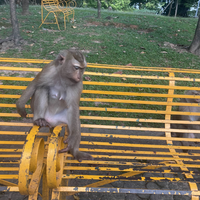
(56, 7)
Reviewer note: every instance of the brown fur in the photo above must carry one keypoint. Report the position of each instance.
(55, 95)
(187, 117)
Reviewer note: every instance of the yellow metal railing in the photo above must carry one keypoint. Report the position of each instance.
(125, 126)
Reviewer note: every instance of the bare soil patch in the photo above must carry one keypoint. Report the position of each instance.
(178, 48)
(115, 24)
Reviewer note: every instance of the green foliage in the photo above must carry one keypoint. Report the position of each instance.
(119, 4)
(152, 5)
(115, 4)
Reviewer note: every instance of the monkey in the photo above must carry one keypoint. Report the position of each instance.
(187, 117)
(55, 95)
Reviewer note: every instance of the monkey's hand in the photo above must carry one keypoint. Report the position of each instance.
(21, 110)
(42, 122)
(79, 155)
(75, 152)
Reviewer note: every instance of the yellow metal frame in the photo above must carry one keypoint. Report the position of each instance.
(56, 7)
(27, 162)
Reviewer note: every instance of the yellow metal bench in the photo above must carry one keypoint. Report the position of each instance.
(125, 116)
(56, 7)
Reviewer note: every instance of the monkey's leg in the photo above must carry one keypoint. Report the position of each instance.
(74, 136)
(39, 104)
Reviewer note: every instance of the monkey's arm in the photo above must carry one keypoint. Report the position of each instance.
(42, 79)
(26, 95)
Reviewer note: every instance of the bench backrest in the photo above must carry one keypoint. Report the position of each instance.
(125, 116)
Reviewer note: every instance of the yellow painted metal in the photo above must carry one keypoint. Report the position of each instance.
(16, 124)
(55, 194)
(133, 128)
(9, 176)
(107, 181)
(139, 152)
(55, 160)
(21, 133)
(138, 137)
(118, 156)
(31, 161)
(193, 186)
(118, 163)
(3, 182)
(103, 66)
(113, 84)
(54, 7)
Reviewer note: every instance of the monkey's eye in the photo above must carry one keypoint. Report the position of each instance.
(76, 67)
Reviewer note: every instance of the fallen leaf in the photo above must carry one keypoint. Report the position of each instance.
(129, 64)
(3, 18)
(124, 79)
(142, 52)
(31, 44)
(134, 26)
(88, 78)
(118, 72)
(74, 27)
(163, 52)
(51, 52)
(121, 45)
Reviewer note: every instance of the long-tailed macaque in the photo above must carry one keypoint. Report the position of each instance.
(187, 117)
(55, 95)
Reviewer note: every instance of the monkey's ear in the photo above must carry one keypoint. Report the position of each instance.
(60, 59)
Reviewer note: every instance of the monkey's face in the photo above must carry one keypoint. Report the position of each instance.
(71, 65)
(72, 70)
(193, 93)
(196, 93)
(78, 69)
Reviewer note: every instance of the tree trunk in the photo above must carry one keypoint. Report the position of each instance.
(195, 45)
(25, 7)
(99, 8)
(170, 8)
(176, 8)
(14, 21)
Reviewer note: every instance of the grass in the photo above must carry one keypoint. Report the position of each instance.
(103, 41)
(140, 38)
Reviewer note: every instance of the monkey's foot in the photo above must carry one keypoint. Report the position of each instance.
(83, 156)
(41, 122)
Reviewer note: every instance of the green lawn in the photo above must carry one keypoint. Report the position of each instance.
(140, 38)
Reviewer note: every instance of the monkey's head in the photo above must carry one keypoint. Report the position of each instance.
(71, 65)
(193, 92)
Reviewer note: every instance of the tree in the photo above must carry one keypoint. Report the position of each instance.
(15, 36)
(195, 45)
(99, 8)
(15, 26)
(25, 7)
(178, 7)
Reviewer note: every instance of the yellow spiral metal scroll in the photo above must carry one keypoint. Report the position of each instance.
(31, 163)
(55, 160)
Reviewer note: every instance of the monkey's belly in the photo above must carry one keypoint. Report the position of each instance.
(56, 119)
